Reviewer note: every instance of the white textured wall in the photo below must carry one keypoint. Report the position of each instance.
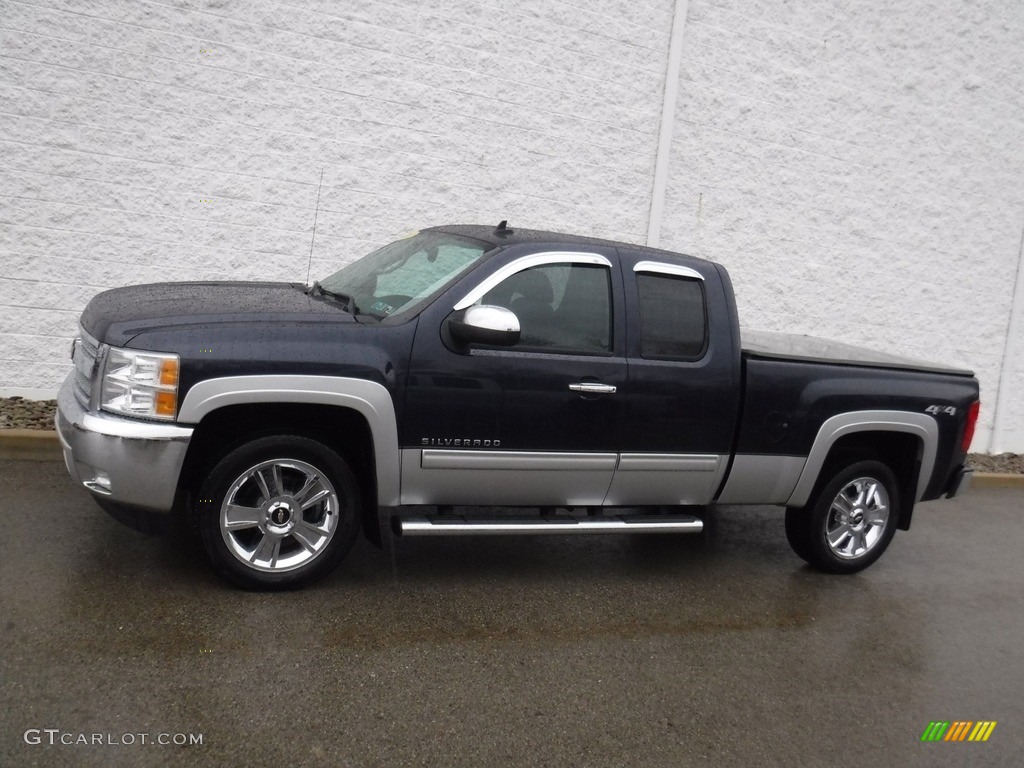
(857, 166)
(147, 141)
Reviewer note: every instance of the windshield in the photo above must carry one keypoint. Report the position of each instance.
(393, 279)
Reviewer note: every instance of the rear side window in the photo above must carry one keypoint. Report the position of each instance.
(673, 318)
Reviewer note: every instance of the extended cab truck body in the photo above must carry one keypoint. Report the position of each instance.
(492, 368)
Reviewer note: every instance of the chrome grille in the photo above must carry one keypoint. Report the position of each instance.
(86, 351)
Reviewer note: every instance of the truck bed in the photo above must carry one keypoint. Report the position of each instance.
(791, 346)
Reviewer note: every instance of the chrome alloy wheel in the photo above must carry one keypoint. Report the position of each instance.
(279, 515)
(857, 518)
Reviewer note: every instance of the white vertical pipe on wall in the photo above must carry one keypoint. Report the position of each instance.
(668, 111)
(1012, 345)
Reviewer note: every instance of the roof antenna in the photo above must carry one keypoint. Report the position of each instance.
(502, 229)
(316, 215)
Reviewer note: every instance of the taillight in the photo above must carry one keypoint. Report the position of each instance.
(972, 419)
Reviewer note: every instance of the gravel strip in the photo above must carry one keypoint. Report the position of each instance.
(20, 413)
(1005, 463)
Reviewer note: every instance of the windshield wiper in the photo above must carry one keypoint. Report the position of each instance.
(347, 302)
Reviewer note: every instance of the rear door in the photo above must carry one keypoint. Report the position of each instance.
(682, 382)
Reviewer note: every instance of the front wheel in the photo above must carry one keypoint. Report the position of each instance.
(278, 512)
(851, 520)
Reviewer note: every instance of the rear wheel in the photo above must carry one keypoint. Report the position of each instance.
(278, 512)
(850, 521)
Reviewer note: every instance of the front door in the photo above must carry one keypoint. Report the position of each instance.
(533, 424)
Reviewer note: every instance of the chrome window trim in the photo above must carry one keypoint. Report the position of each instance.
(368, 398)
(661, 268)
(919, 424)
(526, 262)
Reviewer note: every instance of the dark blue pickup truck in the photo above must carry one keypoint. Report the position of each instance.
(543, 383)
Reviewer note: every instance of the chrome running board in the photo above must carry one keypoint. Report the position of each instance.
(472, 526)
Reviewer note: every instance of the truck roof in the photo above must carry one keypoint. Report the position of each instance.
(497, 236)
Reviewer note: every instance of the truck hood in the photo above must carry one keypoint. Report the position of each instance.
(118, 315)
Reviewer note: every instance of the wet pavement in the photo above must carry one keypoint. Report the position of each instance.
(720, 649)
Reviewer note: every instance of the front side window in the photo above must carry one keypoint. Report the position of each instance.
(673, 323)
(395, 278)
(561, 307)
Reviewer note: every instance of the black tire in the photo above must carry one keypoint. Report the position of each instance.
(850, 520)
(295, 508)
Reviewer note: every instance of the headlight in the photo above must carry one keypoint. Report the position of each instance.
(140, 384)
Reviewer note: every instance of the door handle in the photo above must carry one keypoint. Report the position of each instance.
(593, 388)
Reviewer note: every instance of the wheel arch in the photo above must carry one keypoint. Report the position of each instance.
(354, 417)
(905, 441)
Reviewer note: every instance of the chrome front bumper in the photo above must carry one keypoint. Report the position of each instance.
(131, 462)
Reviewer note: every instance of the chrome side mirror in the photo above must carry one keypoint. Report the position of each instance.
(485, 324)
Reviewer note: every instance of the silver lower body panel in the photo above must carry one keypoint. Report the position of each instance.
(756, 479)
(645, 479)
(554, 478)
(505, 478)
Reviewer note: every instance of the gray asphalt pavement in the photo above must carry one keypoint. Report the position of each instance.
(720, 649)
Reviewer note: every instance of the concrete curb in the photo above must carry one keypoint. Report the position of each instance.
(30, 444)
(996, 480)
(43, 445)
